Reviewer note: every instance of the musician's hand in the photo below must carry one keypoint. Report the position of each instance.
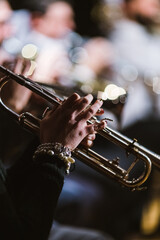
(88, 140)
(67, 124)
(19, 96)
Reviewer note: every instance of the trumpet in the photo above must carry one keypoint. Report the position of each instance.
(86, 155)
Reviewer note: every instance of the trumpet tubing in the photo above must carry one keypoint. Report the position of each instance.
(88, 156)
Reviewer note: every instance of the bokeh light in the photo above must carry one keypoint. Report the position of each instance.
(29, 51)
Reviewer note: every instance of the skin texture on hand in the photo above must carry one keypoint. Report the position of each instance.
(67, 124)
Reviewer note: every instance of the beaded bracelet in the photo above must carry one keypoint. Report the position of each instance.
(55, 149)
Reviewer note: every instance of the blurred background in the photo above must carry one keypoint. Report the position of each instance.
(110, 48)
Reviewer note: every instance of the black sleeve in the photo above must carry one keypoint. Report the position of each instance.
(28, 199)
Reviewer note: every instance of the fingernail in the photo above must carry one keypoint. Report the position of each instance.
(45, 112)
(99, 101)
(88, 95)
(100, 110)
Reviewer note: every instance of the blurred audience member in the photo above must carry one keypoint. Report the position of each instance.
(138, 58)
(14, 27)
(94, 64)
(20, 21)
(132, 37)
(137, 47)
(52, 31)
(5, 28)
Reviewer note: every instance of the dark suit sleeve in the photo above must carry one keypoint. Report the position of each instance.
(28, 198)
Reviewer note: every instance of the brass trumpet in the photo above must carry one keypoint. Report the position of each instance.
(88, 156)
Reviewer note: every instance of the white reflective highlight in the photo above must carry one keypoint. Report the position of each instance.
(111, 92)
(29, 51)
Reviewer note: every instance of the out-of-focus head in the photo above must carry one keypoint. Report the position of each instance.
(57, 20)
(5, 14)
(144, 8)
(99, 54)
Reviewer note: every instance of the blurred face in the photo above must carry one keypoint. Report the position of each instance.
(100, 54)
(144, 8)
(5, 27)
(58, 20)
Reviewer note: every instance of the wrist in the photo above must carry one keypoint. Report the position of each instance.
(55, 150)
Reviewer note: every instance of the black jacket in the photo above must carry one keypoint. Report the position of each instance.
(28, 197)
